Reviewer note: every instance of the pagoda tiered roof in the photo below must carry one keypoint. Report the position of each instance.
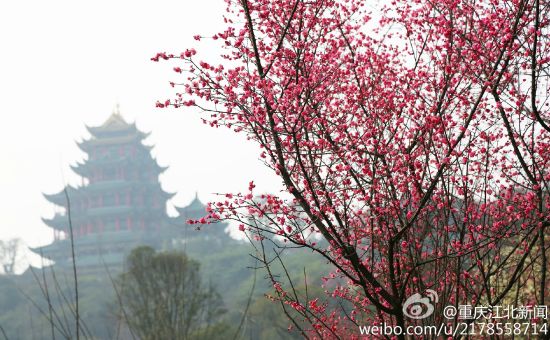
(196, 210)
(114, 131)
(93, 240)
(88, 144)
(114, 125)
(58, 221)
(195, 206)
(60, 198)
(84, 169)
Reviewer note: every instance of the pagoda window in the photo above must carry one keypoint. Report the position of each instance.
(109, 200)
(128, 202)
(117, 198)
(122, 173)
(110, 174)
(121, 151)
(141, 223)
(100, 201)
(129, 222)
(141, 199)
(89, 228)
(117, 224)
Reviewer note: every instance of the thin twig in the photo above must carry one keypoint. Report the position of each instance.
(247, 306)
(77, 311)
(119, 299)
(46, 290)
(3, 332)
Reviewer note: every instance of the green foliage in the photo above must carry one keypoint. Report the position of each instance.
(9, 295)
(227, 267)
(163, 297)
(267, 321)
(25, 311)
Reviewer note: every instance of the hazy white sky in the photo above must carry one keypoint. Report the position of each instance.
(67, 63)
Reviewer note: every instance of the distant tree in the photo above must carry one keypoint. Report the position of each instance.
(162, 296)
(9, 254)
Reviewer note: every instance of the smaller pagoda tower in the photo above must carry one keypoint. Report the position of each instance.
(119, 205)
(213, 234)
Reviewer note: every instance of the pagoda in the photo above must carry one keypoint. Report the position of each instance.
(214, 233)
(119, 205)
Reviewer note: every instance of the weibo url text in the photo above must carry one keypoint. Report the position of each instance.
(463, 328)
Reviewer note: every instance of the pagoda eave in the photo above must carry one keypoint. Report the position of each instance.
(55, 223)
(81, 170)
(83, 146)
(115, 123)
(60, 198)
(101, 131)
(160, 169)
(49, 251)
(168, 195)
(86, 145)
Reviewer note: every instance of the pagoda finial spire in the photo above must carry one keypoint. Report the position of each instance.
(116, 110)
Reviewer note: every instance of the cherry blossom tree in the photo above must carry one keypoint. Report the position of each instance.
(413, 142)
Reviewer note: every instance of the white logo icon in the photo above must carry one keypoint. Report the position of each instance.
(420, 307)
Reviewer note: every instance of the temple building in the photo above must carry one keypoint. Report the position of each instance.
(119, 205)
(214, 234)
